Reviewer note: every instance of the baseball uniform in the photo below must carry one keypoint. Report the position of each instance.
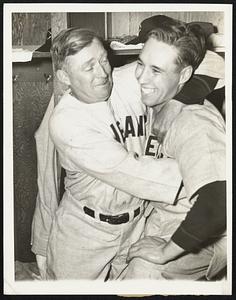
(196, 139)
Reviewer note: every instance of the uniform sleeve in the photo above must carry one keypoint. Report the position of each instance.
(205, 220)
(85, 148)
(198, 145)
(47, 198)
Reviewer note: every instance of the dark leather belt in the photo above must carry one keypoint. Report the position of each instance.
(114, 220)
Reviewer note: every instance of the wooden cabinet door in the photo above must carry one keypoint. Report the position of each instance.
(31, 95)
(94, 21)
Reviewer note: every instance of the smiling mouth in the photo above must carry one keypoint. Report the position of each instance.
(147, 91)
(105, 82)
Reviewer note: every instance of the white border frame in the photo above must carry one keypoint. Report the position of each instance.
(89, 287)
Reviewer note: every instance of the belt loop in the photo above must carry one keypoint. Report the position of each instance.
(96, 215)
(132, 214)
(140, 208)
(148, 208)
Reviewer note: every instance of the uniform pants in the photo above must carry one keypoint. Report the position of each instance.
(191, 266)
(81, 247)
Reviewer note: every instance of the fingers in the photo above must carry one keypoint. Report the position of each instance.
(140, 249)
(135, 252)
(42, 276)
(36, 277)
(149, 249)
(42, 266)
(143, 253)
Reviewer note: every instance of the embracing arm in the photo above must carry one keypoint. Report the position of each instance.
(205, 220)
(102, 157)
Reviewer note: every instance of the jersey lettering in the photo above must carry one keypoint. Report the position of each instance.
(117, 137)
(153, 147)
(131, 127)
(141, 125)
(121, 131)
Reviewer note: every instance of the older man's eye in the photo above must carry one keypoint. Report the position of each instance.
(88, 68)
(156, 71)
(139, 63)
(104, 60)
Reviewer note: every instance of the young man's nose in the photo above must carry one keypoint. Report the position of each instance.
(144, 76)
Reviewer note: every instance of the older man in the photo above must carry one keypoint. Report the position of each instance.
(186, 240)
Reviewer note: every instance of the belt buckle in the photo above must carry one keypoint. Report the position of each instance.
(115, 220)
(119, 219)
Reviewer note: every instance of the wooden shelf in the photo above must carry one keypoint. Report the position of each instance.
(27, 53)
(37, 54)
(126, 52)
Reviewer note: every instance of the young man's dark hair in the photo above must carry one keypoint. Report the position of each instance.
(187, 38)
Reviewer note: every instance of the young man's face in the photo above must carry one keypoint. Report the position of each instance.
(89, 73)
(157, 73)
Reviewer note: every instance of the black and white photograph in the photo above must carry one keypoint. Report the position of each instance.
(118, 149)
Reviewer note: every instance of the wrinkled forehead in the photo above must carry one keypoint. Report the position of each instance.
(91, 52)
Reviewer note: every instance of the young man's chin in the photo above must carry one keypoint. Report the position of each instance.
(150, 101)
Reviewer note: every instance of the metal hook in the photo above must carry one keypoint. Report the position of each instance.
(15, 77)
(47, 77)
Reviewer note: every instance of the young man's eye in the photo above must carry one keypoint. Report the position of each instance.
(140, 66)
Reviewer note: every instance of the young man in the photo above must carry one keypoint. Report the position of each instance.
(186, 240)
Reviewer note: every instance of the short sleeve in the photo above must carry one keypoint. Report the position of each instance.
(197, 141)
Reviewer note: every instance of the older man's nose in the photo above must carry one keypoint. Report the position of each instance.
(100, 71)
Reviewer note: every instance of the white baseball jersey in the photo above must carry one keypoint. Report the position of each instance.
(84, 138)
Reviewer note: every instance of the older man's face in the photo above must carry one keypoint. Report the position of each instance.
(89, 73)
(157, 72)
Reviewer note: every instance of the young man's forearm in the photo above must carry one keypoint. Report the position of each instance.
(205, 220)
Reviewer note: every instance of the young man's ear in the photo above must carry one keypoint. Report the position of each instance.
(63, 76)
(186, 74)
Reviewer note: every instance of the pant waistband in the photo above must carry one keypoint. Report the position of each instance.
(113, 219)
